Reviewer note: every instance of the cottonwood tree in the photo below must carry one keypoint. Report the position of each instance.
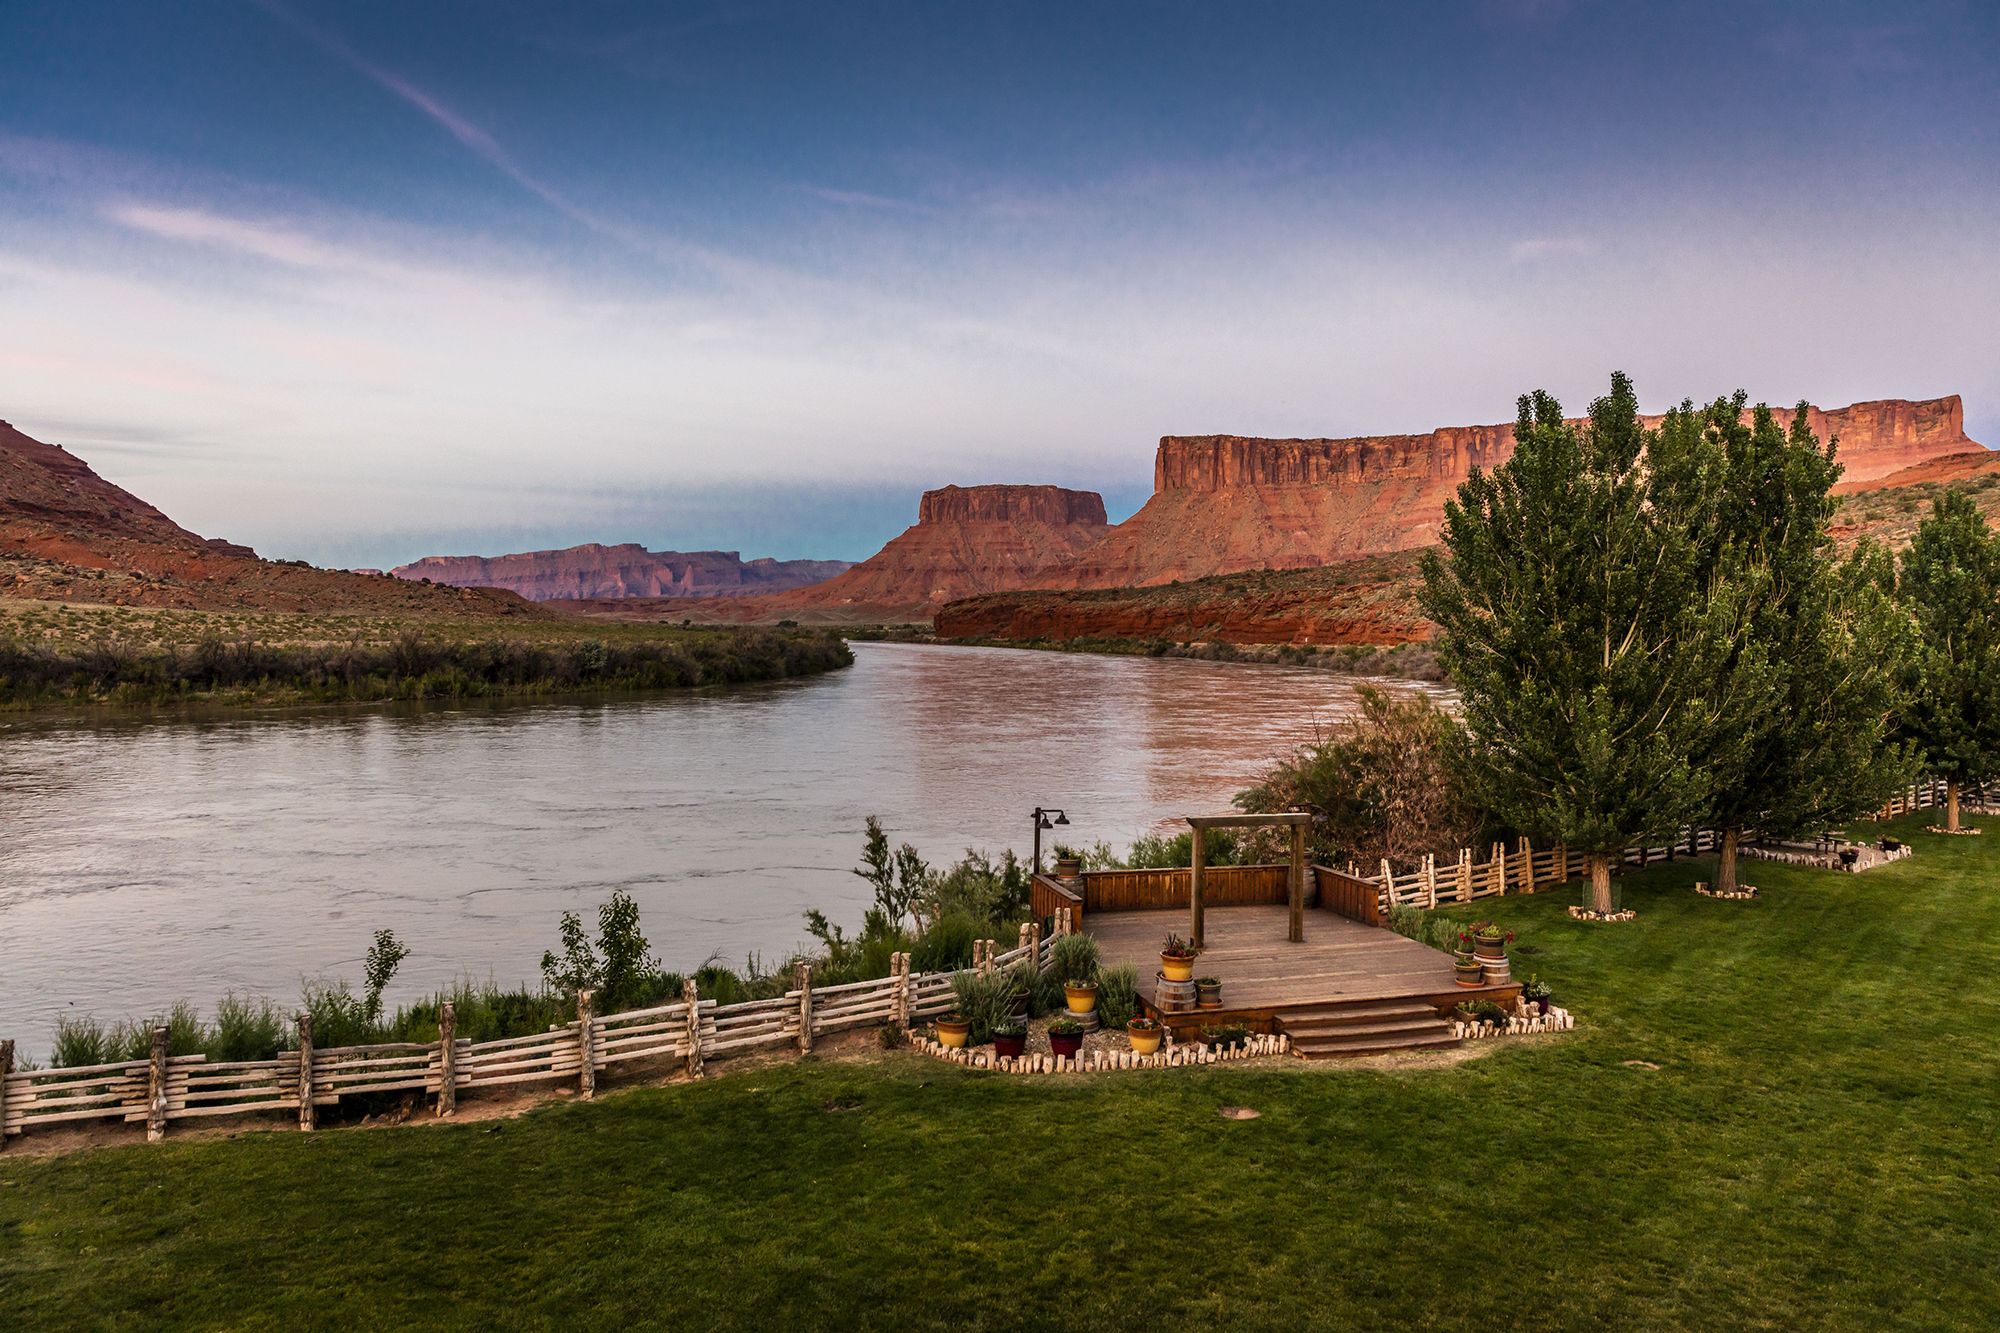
(1951, 584)
(1583, 640)
(1812, 671)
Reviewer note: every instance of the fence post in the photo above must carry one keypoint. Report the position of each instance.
(691, 997)
(1499, 880)
(1562, 863)
(6, 1068)
(1035, 947)
(1430, 879)
(805, 980)
(447, 1059)
(1388, 881)
(1465, 874)
(586, 1043)
(308, 1113)
(1527, 851)
(899, 998)
(156, 1088)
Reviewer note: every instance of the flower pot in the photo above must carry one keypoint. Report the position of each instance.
(953, 1032)
(1080, 999)
(1470, 974)
(1489, 948)
(1065, 1043)
(1145, 1041)
(1176, 969)
(1068, 867)
(1014, 1045)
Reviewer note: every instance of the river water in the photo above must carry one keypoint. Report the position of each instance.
(148, 860)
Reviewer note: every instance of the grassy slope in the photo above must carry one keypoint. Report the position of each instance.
(1815, 1150)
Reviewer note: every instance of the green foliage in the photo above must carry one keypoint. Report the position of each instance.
(1583, 640)
(385, 955)
(1165, 851)
(1073, 957)
(1810, 678)
(1951, 585)
(1097, 856)
(620, 967)
(1384, 785)
(946, 944)
(1117, 995)
(984, 1000)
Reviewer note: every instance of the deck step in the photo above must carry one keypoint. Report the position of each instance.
(1326, 1048)
(1365, 1029)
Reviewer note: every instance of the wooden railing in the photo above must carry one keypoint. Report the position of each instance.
(1350, 896)
(1149, 890)
(1048, 895)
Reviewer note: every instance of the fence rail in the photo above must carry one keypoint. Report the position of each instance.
(165, 1088)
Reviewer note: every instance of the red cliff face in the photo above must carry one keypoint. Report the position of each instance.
(967, 540)
(1224, 503)
(626, 570)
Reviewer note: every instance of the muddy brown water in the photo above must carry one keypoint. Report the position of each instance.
(145, 860)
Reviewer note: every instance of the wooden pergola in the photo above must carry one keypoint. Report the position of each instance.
(1295, 820)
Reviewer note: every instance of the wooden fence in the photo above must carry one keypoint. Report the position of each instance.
(163, 1088)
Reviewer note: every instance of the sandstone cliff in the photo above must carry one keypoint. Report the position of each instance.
(1223, 503)
(68, 534)
(625, 570)
(967, 540)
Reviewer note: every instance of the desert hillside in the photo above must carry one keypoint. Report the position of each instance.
(66, 534)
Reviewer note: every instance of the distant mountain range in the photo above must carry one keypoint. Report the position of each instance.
(626, 570)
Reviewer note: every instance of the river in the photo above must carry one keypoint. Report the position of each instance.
(145, 860)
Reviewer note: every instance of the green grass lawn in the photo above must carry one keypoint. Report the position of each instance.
(1817, 1149)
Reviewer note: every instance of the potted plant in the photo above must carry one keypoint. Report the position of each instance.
(1010, 1039)
(1177, 959)
(1468, 971)
(1490, 940)
(1080, 996)
(1464, 949)
(1145, 1034)
(1065, 1036)
(1208, 992)
(1536, 992)
(953, 1029)
(1068, 865)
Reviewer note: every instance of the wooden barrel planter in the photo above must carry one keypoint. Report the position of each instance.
(1173, 997)
(1496, 970)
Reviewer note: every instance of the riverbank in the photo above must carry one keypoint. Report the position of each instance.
(65, 655)
(1773, 1113)
(1404, 661)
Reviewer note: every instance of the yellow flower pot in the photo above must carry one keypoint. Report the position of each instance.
(1144, 1042)
(952, 1033)
(1176, 969)
(1080, 999)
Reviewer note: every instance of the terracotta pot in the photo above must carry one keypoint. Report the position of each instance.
(1065, 1043)
(1176, 969)
(1006, 1045)
(1080, 999)
(1470, 974)
(952, 1032)
(1068, 867)
(1145, 1041)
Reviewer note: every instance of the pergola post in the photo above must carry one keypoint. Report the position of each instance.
(1296, 928)
(1195, 884)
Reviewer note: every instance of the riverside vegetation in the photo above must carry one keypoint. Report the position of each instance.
(1778, 1114)
(56, 654)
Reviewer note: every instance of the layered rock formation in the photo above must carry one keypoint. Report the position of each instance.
(967, 540)
(1223, 503)
(68, 534)
(625, 570)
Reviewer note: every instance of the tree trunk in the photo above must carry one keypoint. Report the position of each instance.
(1725, 861)
(1600, 881)
(1951, 805)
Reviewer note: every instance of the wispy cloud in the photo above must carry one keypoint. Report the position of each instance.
(864, 199)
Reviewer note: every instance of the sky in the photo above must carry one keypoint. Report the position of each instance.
(361, 282)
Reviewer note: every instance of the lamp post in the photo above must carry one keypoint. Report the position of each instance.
(1042, 820)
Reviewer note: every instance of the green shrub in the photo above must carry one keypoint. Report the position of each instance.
(247, 1030)
(983, 1002)
(947, 945)
(81, 1041)
(1117, 996)
(1073, 957)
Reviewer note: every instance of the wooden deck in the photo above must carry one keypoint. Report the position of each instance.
(1264, 976)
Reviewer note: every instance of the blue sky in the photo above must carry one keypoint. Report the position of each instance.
(361, 282)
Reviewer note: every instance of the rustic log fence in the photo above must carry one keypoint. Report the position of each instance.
(162, 1089)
